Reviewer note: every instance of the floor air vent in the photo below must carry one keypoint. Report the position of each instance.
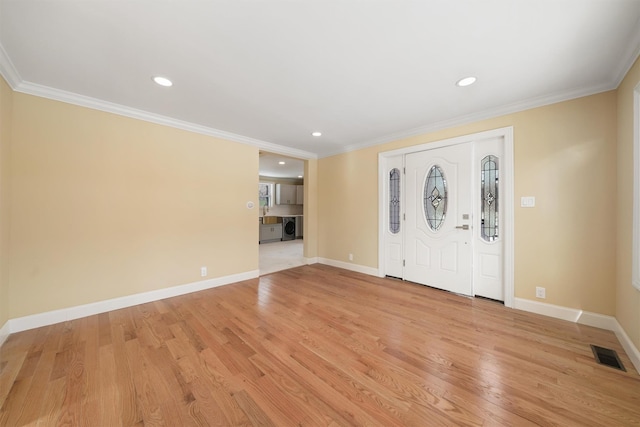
(606, 356)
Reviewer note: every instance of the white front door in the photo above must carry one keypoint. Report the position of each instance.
(438, 234)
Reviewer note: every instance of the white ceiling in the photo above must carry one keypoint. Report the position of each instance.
(270, 72)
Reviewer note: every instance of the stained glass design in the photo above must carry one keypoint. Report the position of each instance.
(489, 175)
(435, 198)
(394, 201)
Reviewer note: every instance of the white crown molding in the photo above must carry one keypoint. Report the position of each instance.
(7, 70)
(631, 55)
(71, 313)
(475, 117)
(110, 107)
(10, 74)
(619, 73)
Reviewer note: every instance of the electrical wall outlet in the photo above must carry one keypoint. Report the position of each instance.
(203, 271)
(541, 292)
(350, 257)
(528, 202)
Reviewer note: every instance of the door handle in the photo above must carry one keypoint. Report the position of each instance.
(463, 227)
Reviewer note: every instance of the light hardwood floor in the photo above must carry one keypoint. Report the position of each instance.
(315, 345)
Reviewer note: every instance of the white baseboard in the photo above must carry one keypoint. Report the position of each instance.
(312, 260)
(348, 266)
(4, 333)
(63, 315)
(556, 311)
(627, 344)
(582, 317)
(598, 321)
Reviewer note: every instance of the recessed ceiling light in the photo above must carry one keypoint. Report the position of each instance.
(281, 163)
(163, 81)
(467, 81)
(299, 176)
(316, 133)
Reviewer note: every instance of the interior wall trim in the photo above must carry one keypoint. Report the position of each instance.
(15, 81)
(8, 70)
(486, 114)
(49, 318)
(121, 110)
(631, 350)
(635, 237)
(4, 333)
(371, 271)
(10, 74)
(56, 316)
(551, 310)
(309, 261)
(586, 318)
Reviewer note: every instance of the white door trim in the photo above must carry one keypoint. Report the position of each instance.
(507, 175)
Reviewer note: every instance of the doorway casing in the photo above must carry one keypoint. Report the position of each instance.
(507, 184)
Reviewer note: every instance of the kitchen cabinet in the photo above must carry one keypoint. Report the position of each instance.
(285, 194)
(270, 233)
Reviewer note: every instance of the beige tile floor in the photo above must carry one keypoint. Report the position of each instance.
(280, 256)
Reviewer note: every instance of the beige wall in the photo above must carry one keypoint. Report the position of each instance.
(628, 298)
(564, 156)
(6, 108)
(104, 206)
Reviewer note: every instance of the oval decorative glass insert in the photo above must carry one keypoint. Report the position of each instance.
(489, 198)
(394, 201)
(435, 198)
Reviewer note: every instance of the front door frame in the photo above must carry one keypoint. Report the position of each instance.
(507, 191)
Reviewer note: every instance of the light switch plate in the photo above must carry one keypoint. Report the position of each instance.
(528, 201)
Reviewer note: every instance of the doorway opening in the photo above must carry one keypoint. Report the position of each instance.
(280, 216)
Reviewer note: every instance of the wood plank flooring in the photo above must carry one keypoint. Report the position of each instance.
(315, 346)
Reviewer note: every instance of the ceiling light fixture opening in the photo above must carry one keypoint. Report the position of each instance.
(467, 81)
(316, 133)
(163, 81)
(281, 163)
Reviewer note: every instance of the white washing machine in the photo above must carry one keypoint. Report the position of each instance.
(288, 228)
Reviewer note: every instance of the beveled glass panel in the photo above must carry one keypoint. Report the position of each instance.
(489, 180)
(435, 198)
(394, 201)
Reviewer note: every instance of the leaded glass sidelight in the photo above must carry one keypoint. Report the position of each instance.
(394, 201)
(435, 198)
(489, 194)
